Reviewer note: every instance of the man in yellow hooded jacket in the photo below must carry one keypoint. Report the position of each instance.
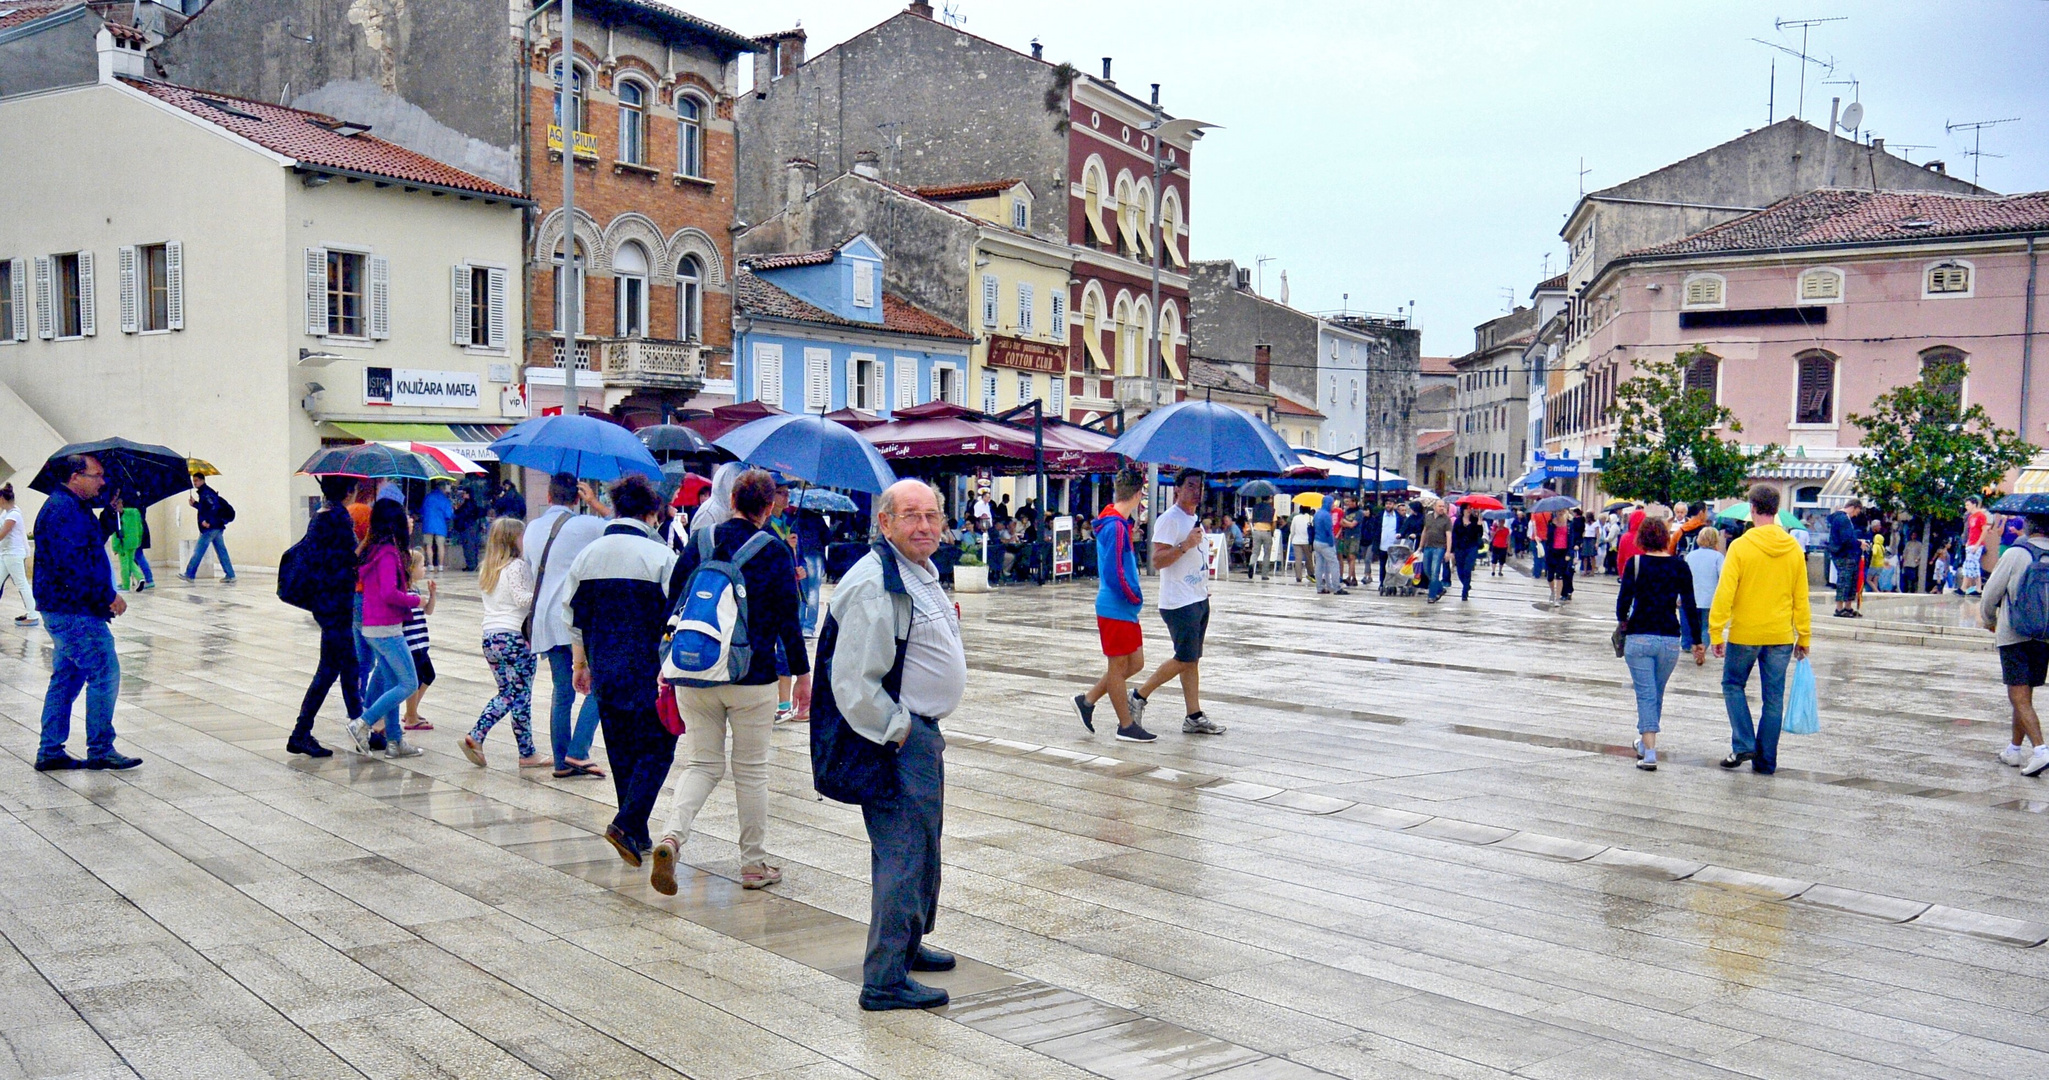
(1760, 619)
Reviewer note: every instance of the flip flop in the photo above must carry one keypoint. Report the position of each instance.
(419, 725)
(573, 770)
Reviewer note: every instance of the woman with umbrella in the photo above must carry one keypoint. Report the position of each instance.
(1465, 547)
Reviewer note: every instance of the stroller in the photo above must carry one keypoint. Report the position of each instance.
(1405, 571)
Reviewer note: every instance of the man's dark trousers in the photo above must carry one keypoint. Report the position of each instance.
(640, 750)
(903, 838)
(337, 661)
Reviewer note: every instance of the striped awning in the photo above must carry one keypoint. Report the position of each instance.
(2033, 480)
(472, 441)
(1842, 484)
(1797, 469)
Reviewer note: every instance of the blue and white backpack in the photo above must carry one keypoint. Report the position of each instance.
(707, 638)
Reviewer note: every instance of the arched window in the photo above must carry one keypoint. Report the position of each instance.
(576, 290)
(1091, 327)
(1171, 226)
(579, 100)
(690, 299)
(629, 290)
(689, 135)
(632, 122)
(1170, 328)
(1127, 216)
(1943, 368)
(1703, 376)
(1815, 401)
(1095, 185)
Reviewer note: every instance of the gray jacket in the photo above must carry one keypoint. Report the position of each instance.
(2004, 577)
(873, 611)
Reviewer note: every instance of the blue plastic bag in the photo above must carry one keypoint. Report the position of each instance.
(1803, 713)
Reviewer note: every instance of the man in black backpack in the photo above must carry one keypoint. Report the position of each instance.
(321, 569)
(2013, 608)
(214, 516)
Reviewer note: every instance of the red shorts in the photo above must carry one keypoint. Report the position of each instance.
(1120, 638)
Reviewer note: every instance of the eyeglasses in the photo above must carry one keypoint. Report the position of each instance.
(932, 518)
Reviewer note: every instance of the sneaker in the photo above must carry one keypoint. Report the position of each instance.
(1137, 705)
(402, 749)
(1086, 711)
(2034, 766)
(785, 714)
(26, 620)
(1734, 760)
(759, 876)
(2015, 756)
(359, 732)
(1649, 764)
(1638, 747)
(663, 876)
(1134, 733)
(1201, 725)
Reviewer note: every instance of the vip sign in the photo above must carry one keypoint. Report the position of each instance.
(430, 389)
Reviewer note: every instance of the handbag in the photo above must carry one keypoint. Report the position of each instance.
(666, 709)
(526, 626)
(1620, 638)
(1803, 712)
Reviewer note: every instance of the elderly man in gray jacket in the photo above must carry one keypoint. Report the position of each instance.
(893, 650)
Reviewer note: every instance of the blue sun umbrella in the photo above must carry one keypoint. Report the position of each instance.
(1207, 436)
(583, 446)
(812, 449)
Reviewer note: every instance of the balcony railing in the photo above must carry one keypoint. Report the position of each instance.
(653, 362)
(583, 353)
(1145, 393)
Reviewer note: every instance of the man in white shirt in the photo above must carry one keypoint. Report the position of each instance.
(558, 536)
(983, 513)
(1181, 552)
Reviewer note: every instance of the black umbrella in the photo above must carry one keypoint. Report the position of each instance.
(1258, 489)
(675, 440)
(370, 461)
(2034, 502)
(144, 473)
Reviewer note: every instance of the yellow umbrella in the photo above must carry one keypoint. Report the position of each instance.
(199, 467)
(1309, 499)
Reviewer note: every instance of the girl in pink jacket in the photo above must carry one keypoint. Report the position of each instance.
(387, 600)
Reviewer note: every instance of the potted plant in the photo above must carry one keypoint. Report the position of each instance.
(970, 574)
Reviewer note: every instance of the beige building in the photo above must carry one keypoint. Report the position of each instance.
(242, 282)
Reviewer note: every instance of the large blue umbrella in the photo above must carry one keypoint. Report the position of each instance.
(810, 448)
(1207, 436)
(583, 446)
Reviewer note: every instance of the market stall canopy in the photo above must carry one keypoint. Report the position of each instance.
(727, 417)
(855, 418)
(1347, 474)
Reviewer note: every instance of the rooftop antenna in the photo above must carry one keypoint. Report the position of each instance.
(1771, 104)
(1259, 266)
(1977, 130)
(1905, 148)
(1547, 267)
(951, 16)
(1828, 66)
(1507, 298)
(1583, 171)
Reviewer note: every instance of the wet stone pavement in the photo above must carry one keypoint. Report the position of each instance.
(1420, 851)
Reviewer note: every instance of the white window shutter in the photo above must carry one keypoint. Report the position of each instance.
(380, 297)
(988, 391)
(1024, 307)
(1056, 396)
(906, 382)
(875, 385)
(768, 374)
(88, 306)
(496, 316)
(1059, 327)
(937, 384)
(46, 321)
(988, 300)
(853, 380)
(18, 275)
(459, 304)
(864, 284)
(174, 284)
(127, 266)
(316, 291)
(817, 379)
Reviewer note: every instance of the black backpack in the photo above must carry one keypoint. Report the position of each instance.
(223, 510)
(295, 574)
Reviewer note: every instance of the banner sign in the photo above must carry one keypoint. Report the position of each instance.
(430, 389)
(1040, 356)
(1063, 546)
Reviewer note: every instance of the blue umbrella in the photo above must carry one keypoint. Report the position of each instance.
(583, 446)
(2035, 502)
(823, 501)
(1207, 436)
(1554, 504)
(812, 449)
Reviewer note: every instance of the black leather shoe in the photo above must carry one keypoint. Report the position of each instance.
(931, 959)
(60, 763)
(112, 759)
(308, 746)
(628, 851)
(1733, 760)
(911, 995)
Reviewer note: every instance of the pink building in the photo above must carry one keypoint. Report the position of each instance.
(1812, 308)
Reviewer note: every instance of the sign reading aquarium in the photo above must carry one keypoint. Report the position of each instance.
(429, 389)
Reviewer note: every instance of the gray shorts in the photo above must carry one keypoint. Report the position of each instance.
(1186, 627)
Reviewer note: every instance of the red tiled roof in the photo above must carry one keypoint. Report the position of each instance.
(1832, 216)
(1294, 408)
(781, 262)
(756, 296)
(1213, 375)
(1439, 365)
(980, 190)
(16, 12)
(309, 138)
(1428, 442)
(1554, 283)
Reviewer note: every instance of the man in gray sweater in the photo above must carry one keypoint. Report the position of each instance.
(2023, 661)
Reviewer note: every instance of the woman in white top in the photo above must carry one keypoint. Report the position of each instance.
(1705, 562)
(14, 556)
(508, 588)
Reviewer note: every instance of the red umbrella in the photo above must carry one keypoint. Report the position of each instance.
(691, 491)
(1483, 502)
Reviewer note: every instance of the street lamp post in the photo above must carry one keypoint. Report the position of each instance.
(572, 276)
(1160, 129)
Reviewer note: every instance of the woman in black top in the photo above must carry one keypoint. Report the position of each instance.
(1656, 610)
(1466, 538)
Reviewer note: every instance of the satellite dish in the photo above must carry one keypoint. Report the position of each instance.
(1853, 116)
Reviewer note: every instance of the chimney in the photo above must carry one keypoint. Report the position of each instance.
(123, 50)
(1244, 279)
(1262, 365)
(868, 163)
(780, 55)
(1106, 72)
(920, 8)
(1038, 50)
(800, 179)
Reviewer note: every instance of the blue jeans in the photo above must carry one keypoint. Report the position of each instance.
(211, 537)
(1651, 659)
(366, 662)
(392, 681)
(568, 742)
(83, 658)
(1771, 662)
(903, 861)
(1433, 570)
(1463, 559)
(1325, 559)
(807, 590)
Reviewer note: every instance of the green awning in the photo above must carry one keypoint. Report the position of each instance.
(426, 433)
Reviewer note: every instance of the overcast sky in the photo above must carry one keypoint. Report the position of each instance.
(1428, 151)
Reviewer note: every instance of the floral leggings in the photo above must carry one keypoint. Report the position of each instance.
(512, 663)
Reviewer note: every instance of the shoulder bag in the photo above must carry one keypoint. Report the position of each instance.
(526, 627)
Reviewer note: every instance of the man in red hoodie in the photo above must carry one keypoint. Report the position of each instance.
(1118, 601)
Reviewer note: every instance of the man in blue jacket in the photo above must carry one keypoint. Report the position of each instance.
(214, 516)
(1846, 550)
(74, 587)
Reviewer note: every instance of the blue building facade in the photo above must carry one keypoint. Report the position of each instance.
(816, 332)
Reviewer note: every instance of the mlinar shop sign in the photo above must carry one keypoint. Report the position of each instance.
(433, 389)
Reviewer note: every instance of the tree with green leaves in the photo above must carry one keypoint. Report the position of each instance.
(1668, 442)
(1924, 451)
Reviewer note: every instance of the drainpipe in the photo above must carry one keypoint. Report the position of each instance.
(2028, 341)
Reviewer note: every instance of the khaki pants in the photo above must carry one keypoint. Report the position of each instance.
(749, 711)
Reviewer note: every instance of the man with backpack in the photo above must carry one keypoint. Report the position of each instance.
(2016, 608)
(616, 597)
(215, 515)
(318, 574)
(1846, 546)
(735, 600)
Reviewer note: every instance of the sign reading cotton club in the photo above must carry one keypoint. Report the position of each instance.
(430, 389)
(1023, 355)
